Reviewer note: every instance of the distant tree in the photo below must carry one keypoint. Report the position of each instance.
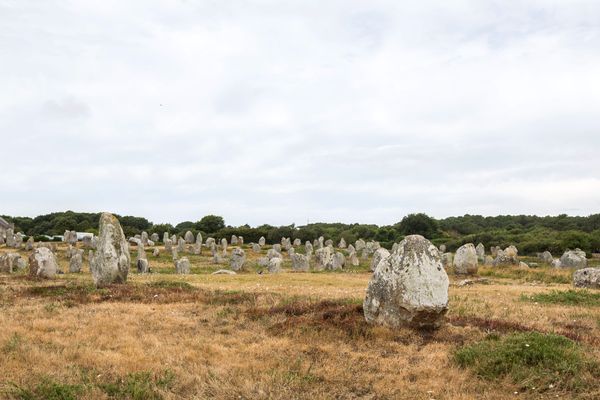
(210, 224)
(418, 224)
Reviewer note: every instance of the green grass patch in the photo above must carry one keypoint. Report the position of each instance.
(138, 386)
(545, 275)
(531, 360)
(48, 389)
(565, 297)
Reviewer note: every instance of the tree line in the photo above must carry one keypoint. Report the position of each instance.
(529, 233)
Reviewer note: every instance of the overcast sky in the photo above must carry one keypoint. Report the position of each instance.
(292, 111)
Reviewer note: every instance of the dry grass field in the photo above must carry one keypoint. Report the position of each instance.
(289, 336)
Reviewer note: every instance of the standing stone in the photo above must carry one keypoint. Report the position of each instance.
(224, 247)
(154, 237)
(156, 252)
(111, 260)
(338, 261)
(30, 244)
(379, 255)
(329, 243)
(145, 238)
(321, 241)
(141, 255)
(199, 240)
(238, 258)
(508, 256)
(210, 242)
(353, 259)
(489, 261)
(273, 253)
(300, 262)
(241, 240)
(76, 263)
(189, 237)
(174, 253)
(263, 262)
(465, 260)
(297, 242)
(546, 257)
(255, 248)
(142, 266)
(574, 259)
(587, 278)
(277, 247)
(234, 240)
(42, 263)
(480, 250)
(168, 245)
(2, 240)
(9, 262)
(408, 288)
(165, 237)
(442, 248)
(261, 241)
(10, 238)
(447, 259)
(494, 251)
(323, 258)
(342, 244)
(308, 248)
(181, 245)
(359, 245)
(88, 241)
(274, 265)
(182, 266)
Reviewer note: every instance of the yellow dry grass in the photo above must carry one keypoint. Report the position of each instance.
(259, 336)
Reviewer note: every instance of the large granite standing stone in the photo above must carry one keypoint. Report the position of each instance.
(76, 262)
(261, 241)
(274, 265)
(154, 237)
(182, 266)
(255, 247)
(410, 287)
(480, 250)
(30, 244)
(323, 258)
(234, 240)
(308, 248)
(338, 261)
(508, 256)
(181, 245)
(546, 257)
(300, 262)
(574, 259)
(42, 263)
(111, 260)
(465, 260)
(189, 237)
(587, 278)
(297, 242)
(238, 258)
(379, 255)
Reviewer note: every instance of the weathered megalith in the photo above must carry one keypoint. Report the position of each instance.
(379, 255)
(111, 259)
(234, 240)
(274, 265)
(338, 261)
(480, 250)
(465, 260)
(42, 263)
(238, 258)
(255, 248)
(300, 262)
(410, 287)
(261, 241)
(76, 263)
(574, 259)
(189, 237)
(587, 278)
(508, 256)
(182, 266)
(546, 257)
(323, 258)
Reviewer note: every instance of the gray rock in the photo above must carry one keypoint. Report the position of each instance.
(508, 256)
(447, 259)
(111, 260)
(181, 245)
(297, 242)
(142, 266)
(342, 244)
(574, 259)
(255, 248)
(9, 262)
(546, 257)
(273, 253)
(353, 259)
(240, 240)
(556, 263)
(199, 240)
(156, 252)
(42, 263)
(234, 240)
(308, 248)
(224, 272)
(442, 248)
(261, 241)
(410, 287)
(323, 258)
(338, 261)
(238, 258)
(587, 278)
(29, 244)
(182, 266)
(489, 261)
(154, 237)
(274, 265)
(379, 255)
(224, 246)
(168, 245)
(76, 263)
(189, 237)
(465, 260)
(329, 243)
(277, 247)
(300, 262)
(480, 250)
(262, 261)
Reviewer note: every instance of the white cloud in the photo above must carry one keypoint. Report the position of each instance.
(286, 111)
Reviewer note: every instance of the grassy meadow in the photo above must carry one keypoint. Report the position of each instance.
(511, 333)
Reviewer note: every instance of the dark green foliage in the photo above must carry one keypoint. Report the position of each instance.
(210, 224)
(568, 297)
(48, 389)
(531, 360)
(418, 224)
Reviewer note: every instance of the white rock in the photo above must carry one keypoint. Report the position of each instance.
(465, 260)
